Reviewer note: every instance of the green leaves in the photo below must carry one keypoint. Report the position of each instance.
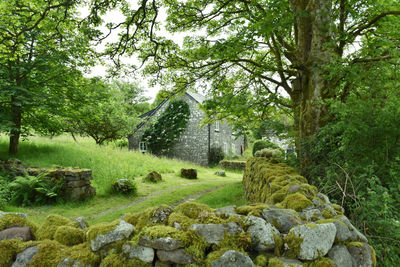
(161, 135)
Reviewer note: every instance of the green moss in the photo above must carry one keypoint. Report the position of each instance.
(143, 219)
(69, 236)
(12, 220)
(373, 257)
(215, 255)
(183, 220)
(83, 253)
(278, 244)
(253, 209)
(162, 231)
(9, 250)
(50, 253)
(120, 261)
(322, 262)
(338, 209)
(327, 213)
(196, 247)
(50, 225)
(194, 210)
(355, 244)
(293, 242)
(100, 229)
(296, 202)
(275, 262)
(239, 242)
(261, 260)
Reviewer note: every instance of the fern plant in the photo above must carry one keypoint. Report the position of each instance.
(34, 190)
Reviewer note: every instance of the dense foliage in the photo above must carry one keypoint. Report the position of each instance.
(359, 160)
(107, 112)
(42, 53)
(215, 155)
(163, 133)
(261, 144)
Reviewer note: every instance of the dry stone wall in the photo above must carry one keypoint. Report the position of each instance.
(282, 233)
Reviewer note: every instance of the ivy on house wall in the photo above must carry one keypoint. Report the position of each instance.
(161, 135)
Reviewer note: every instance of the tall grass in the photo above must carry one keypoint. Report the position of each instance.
(108, 163)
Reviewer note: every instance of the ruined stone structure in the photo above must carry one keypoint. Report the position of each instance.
(76, 181)
(195, 142)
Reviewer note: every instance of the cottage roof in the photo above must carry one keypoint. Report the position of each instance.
(197, 97)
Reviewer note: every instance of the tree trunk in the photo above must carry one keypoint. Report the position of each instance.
(16, 115)
(311, 87)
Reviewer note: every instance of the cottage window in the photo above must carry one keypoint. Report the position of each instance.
(142, 146)
(217, 126)
(225, 148)
(233, 149)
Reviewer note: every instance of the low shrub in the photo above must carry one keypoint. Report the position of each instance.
(34, 190)
(215, 155)
(5, 193)
(261, 144)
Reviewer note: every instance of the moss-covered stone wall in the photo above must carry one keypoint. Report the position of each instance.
(298, 228)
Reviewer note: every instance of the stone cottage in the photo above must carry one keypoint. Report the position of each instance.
(196, 141)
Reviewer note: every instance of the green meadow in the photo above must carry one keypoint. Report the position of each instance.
(110, 163)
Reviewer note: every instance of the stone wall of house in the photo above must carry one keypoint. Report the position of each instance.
(223, 136)
(192, 145)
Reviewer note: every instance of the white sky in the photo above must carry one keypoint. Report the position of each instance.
(115, 16)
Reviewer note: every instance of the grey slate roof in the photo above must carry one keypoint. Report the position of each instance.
(198, 97)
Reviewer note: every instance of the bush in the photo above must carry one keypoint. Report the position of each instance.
(358, 156)
(261, 144)
(34, 190)
(269, 153)
(215, 155)
(5, 193)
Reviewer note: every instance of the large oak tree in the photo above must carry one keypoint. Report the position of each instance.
(250, 54)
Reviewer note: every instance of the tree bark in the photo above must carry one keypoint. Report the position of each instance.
(16, 115)
(311, 87)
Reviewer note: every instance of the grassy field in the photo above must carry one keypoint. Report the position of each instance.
(110, 163)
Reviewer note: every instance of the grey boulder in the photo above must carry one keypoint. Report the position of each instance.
(282, 219)
(214, 233)
(232, 258)
(315, 239)
(163, 243)
(122, 231)
(261, 233)
(341, 256)
(25, 257)
(175, 256)
(362, 255)
(22, 233)
(144, 254)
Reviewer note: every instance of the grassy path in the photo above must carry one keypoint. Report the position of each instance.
(190, 197)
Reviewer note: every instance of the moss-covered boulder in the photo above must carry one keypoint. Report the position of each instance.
(153, 177)
(106, 233)
(69, 236)
(50, 226)
(310, 241)
(189, 173)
